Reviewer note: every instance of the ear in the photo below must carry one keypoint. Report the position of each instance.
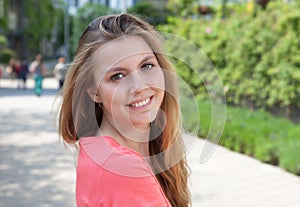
(94, 95)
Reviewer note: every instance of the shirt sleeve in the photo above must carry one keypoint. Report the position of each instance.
(98, 186)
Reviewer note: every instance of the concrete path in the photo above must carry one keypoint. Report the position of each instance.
(37, 170)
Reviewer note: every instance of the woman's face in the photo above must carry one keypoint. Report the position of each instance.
(130, 82)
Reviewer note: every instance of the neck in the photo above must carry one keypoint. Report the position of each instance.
(132, 138)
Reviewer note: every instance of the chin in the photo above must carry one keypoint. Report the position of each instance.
(143, 121)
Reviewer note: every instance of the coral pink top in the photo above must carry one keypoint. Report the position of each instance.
(109, 175)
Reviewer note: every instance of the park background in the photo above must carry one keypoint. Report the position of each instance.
(254, 46)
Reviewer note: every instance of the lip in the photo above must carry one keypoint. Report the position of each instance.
(141, 103)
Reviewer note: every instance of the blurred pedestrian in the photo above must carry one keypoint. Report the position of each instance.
(9, 68)
(17, 72)
(38, 70)
(60, 71)
(24, 70)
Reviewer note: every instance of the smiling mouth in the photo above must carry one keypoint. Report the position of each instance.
(141, 103)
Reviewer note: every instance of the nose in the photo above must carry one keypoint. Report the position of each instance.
(137, 82)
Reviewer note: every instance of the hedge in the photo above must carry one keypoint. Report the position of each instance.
(258, 134)
(256, 55)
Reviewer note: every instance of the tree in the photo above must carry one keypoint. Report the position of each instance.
(32, 24)
(3, 16)
(59, 27)
(39, 23)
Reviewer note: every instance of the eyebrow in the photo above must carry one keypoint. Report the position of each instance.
(112, 69)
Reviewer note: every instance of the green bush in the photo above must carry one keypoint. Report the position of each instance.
(289, 153)
(258, 134)
(257, 56)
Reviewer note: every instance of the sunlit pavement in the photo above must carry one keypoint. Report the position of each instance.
(37, 170)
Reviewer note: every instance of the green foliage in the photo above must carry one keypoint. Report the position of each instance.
(40, 14)
(59, 19)
(153, 14)
(256, 56)
(290, 154)
(3, 41)
(33, 23)
(183, 8)
(3, 16)
(6, 54)
(257, 133)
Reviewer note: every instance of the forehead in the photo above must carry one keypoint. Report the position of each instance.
(118, 50)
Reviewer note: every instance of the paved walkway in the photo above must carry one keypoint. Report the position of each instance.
(37, 170)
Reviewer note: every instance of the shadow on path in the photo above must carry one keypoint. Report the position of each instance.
(29, 176)
(35, 168)
(20, 120)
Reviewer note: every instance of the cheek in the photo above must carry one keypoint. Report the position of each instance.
(157, 82)
(156, 79)
(106, 94)
(161, 80)
(112, 94)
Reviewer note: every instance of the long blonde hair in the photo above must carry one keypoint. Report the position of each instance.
(78, 119)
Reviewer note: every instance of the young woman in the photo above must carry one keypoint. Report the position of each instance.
(120, 105)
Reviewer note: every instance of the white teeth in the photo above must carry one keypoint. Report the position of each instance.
(141, 103)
